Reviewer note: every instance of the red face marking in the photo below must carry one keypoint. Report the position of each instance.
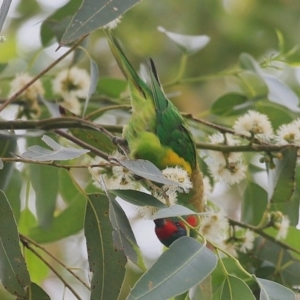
(168, 229)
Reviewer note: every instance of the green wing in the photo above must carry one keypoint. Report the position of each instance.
(170, 126)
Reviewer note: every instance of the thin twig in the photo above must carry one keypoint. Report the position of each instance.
(28, 240)
(28, 246)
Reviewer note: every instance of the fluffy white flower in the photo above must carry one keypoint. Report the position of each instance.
(207, 187)
(288, 133)
(32, 92)
(253, 123)
(146, 212)
(247, 244)
(72, 104)
(229, 247)
(231, 173)
(282, 227)
(70, 83)
(115, 178)
(179, 175)
(213, 225)
(221, 139)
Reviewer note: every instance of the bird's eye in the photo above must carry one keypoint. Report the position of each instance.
(177, 224)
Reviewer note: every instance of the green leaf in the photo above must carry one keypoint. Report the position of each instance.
(254, 203)
(94, 79)
(185, 264)
(35, 292)
(228, 104)
(95, 139)
(106, 262)
(188, 44)
(58, 152)
(13, 273)
(27, 221)
(253, 85)
(68, 222)
(123, 236)
(8, 145)
(281, 94)
(55, 25)
(173, 211)
(247, 62)
(234, 287)
(44, 180)
(94, 14)
(138, 198)
(13, 192)
(111, 87)
(271, 290)
(277, 114)
(146, 169)
(282, 177)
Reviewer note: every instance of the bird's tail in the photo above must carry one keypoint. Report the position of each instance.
(124, 64)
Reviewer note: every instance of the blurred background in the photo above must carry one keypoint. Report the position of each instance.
(234, 27)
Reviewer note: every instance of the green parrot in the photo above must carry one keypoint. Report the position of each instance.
(157, 132)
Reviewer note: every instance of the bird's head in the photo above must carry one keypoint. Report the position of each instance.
(170, 229)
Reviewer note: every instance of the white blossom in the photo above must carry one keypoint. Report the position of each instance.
(247, 244)
(32, 92)
(214, 225)
(253, 123)
(71, 84)
(179, 175)
(231, 172)
(282, 227)
(288, 133)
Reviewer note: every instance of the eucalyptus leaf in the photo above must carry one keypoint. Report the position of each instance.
(94, 79)
(230, 104)
(282, 177)
(44, 180)
(4, 11)
(123, 236)
(138, 198)
(188, 44)
(281, 94)
(234, 287)
(255, 201)
(271, 290)
(185, 264)
(106, 262)
(94, 14)
(173, 211)
(58, 152)
(13, 272)
(147, 170)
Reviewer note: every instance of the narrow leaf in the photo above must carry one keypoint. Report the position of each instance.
(173, 211)
(281, 94)
(233, 289)
(147, 170)
(255, 201)
(94, 79)
(271, 290)
(188, 44)
(13, 273)
(123, 236)
(58, 152)
(106, 263)
(185, 264)
(4, 11)
(138, 198)
(282, 178)
(94, 14)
